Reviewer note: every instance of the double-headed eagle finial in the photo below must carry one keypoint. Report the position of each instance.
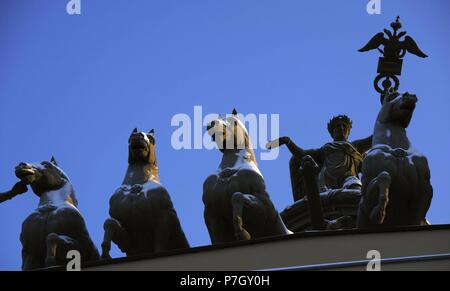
(394, 49)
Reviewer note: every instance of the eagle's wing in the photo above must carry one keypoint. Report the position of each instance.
(411, 46)
(374, 43)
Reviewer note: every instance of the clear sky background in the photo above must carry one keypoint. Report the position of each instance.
(75, 87)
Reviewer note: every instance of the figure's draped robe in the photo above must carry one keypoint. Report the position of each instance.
(341, 162)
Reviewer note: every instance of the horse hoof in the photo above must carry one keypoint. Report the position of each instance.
(105, 251)
(106, 256)
(50, 262)
(242, 235)
(344, 222)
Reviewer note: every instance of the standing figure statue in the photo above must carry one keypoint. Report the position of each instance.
(56, 226)
(237, 205)
(143, 219)
(339, 164)
(396, 178)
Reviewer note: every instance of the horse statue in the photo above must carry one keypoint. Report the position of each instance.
(237, 205)
(56, 226)
(143, 219)
(396, 187)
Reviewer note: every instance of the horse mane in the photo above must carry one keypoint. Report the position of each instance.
(234, 120)
(66, 179)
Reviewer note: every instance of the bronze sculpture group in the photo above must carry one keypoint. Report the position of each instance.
(374, 182)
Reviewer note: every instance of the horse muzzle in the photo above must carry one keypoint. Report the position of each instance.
(26, 173)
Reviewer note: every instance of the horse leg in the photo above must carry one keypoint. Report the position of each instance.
(239, 201)
(379, 196)
(421, 200)
(218, 233)
(163, 231)
(296, 178)
(107, 238)
(29, 262)
(57, 248)
(52, 244)
(116, 233)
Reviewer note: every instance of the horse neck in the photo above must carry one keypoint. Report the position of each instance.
(141, 173)
(235, 157)
(391, 134)
(63, 195)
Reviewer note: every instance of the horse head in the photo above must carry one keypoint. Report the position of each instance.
(397, 109)
(142, 153)
(45, 177)
(141, 147)
(230, 135)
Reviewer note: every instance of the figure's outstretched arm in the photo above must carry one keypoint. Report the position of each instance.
(18, 188)
(295, 150)
(5, 196)
(363, 145)
(285, 140)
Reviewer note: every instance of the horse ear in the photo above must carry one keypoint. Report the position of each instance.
(53, 161)
(234, 111)
(152, 132)
(135, 130)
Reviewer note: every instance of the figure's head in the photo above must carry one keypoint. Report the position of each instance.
(398, 108)
(339, 127)
(141, 147)
(42, 177)
(229, 133)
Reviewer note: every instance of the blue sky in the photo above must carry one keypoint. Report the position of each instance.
(75, 87)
